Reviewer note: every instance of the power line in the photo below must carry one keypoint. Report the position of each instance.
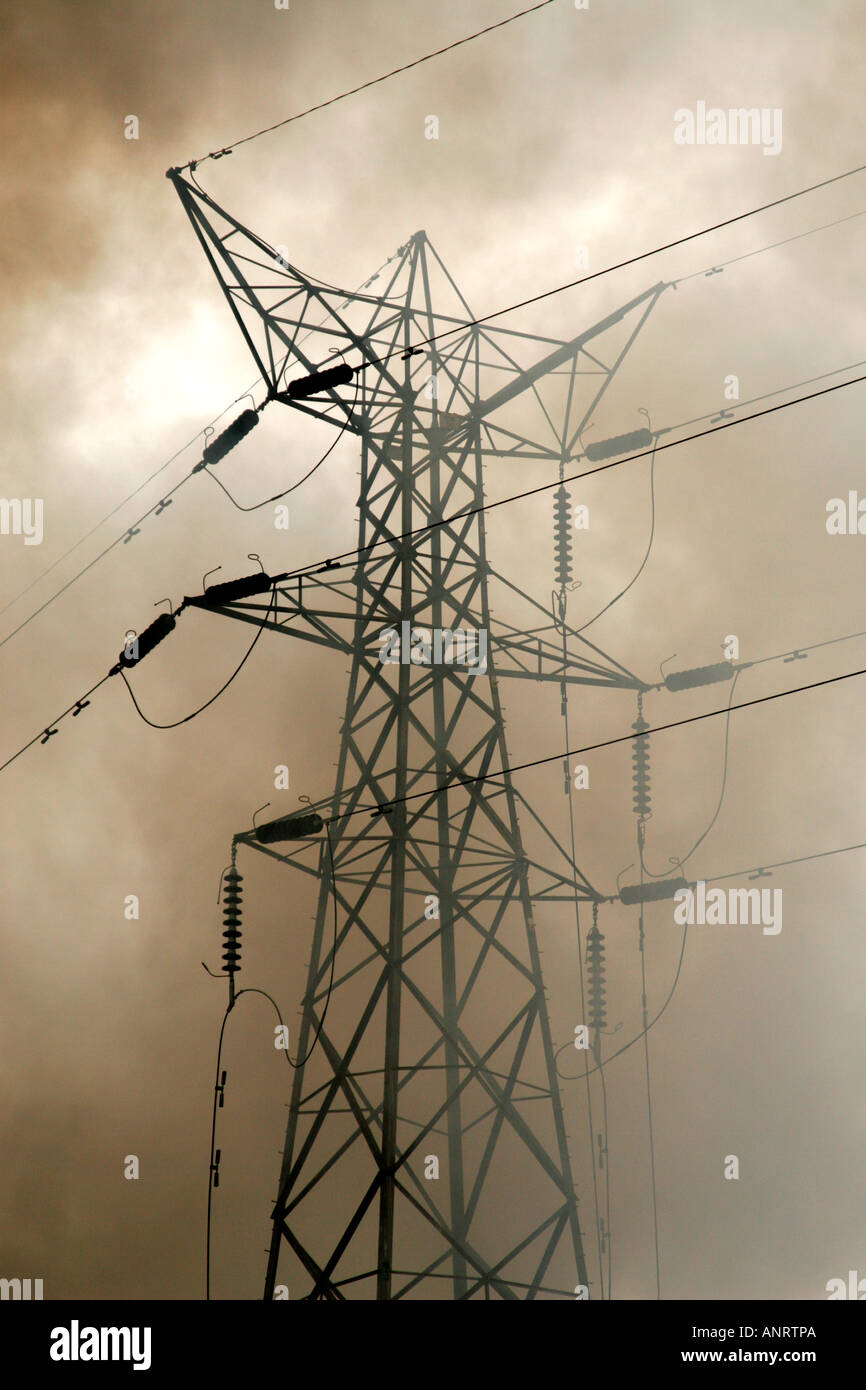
(649, 1103)
(373, 82)
(813, 647)
(717, 878)
(675, 863)
(642, 566)
(131, 531)
(236, 672)
(278, 495)
(765, 396)
(608, 1236)
(317, 566)
(636, 1039)
(785, 863)
(84, 700)
(519, 767)
(115, 510)
(212, 1171)
(594, 747)
(299, 1063)
(158, 507)
(488, 506)
(631, 260)
(45, 734)
(212, 1167)
(759, 251)
(581, 979)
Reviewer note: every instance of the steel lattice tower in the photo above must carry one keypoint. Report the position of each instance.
(437, 1040)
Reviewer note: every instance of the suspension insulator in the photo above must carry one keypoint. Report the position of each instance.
(619, 444)
(232, 894)
(700, 675)
(641, 768)
(633, 893)
(231, 590)
(294, 827)
(562, 536)
(142, 645)
(596, 977)
(231, 436)
(304, 386)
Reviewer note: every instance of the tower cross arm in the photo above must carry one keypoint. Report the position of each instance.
(524, 380)
(534, 659)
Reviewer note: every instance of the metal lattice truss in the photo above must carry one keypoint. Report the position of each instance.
(436, 1052)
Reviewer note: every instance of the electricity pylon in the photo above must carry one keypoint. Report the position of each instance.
(434, 1068)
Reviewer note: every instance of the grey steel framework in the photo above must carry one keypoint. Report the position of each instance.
(437, 1043)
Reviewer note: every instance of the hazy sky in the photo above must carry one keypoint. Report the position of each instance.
(555, 132)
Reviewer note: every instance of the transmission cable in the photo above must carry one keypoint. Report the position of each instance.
(416, 62)
(277, 495)
(318, 567)
(678, 863)
(716, 878)
(297, 1064)
(786, 241)
(608, 1236)
(386, 807)
(642, 566)
(48, 732)
(649, 1104)
(159, 506)
(580, 964)
(345, 555)
(120, 505)
(636, 1039)
(620, 265)
(590, 748)
(76, 707)
(177, 722)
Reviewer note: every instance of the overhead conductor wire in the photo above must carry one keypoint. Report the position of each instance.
(675, 863)
(79, 705)
(187, 717)
(373, 82)
(159, 506)
(278, 495)
(562, 545)
(645, 1030)
(300, 1062)
(76, 708)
